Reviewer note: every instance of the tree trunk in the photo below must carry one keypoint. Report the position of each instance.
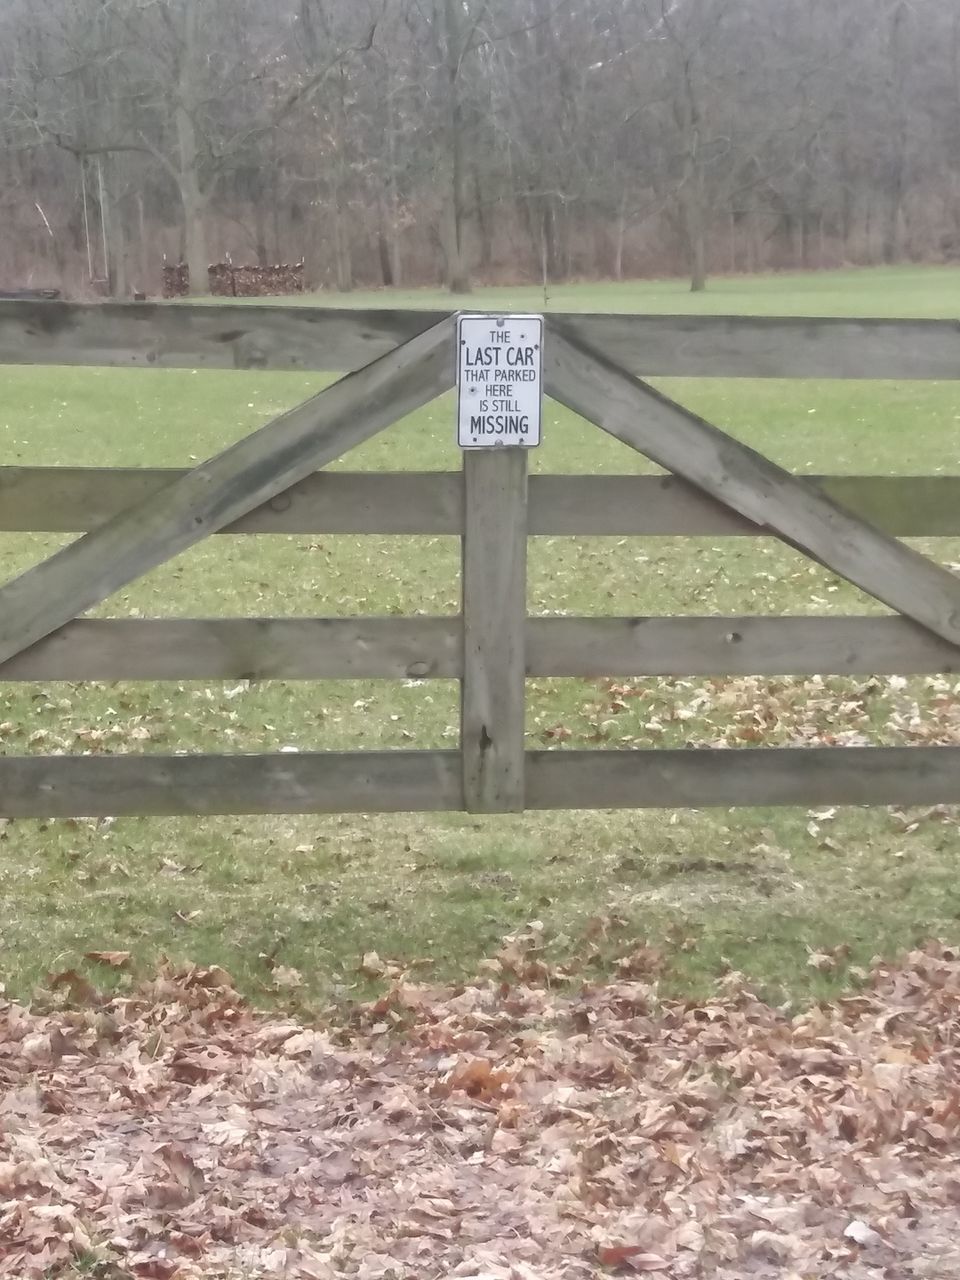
(396, 254)
(698, 266)
(564, 241)
(194, 232)
(386, 266)
(277, 233)
(119, 254)
(733, 244)
(393, 194)
(694, 235)
(143, 250)
(621, 235)
(260, 234)
(803, 238)
(549, 238)
(892, 240)
(483, 224)
(341, 238)
(192, 195)
(891, 232)
(452, 217)
(104, 206)
(533, 233)
(457, 276)
(692, 194)
(383, 248)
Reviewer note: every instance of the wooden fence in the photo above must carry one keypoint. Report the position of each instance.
(272, 482)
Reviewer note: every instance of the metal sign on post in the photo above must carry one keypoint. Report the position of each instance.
(499, 381)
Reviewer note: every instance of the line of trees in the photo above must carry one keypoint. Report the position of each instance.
(406, 141)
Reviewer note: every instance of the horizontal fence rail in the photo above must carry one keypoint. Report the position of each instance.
(432, 648)
(148, 785)
(131, 335)
(426, 781)
(78, 499)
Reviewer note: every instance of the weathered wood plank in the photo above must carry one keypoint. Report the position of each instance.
(903, 506)
(223, 489)
(754, 776)
(154, 785)
(494, 620)
(78, 499)
(341, 339)
(424, 781)
(752, 485)
(431, 648)
(158, 336)
(772, 346)
(244, 649)
(592, 648)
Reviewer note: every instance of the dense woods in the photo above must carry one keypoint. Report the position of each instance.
(414, 141)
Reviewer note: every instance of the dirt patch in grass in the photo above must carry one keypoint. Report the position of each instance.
(526, 1126)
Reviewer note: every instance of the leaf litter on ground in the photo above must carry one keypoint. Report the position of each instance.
(745, 711)
(522, 1128)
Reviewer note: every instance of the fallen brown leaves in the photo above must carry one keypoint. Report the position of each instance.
(504, 1132)
(744, 711)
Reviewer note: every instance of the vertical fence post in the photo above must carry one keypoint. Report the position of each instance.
(494, 624)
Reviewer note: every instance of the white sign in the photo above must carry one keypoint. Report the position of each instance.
(499, 381)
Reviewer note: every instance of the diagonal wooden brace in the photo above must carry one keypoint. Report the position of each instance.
(226, 487)
(591, 385)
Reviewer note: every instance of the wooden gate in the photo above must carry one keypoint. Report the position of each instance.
(272, 481)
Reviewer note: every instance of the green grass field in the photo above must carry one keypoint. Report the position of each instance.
(920, 292)
(755, 890)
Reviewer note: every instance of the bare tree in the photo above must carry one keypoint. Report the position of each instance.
(491, 138)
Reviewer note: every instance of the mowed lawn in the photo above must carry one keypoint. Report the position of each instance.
(762, 891)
